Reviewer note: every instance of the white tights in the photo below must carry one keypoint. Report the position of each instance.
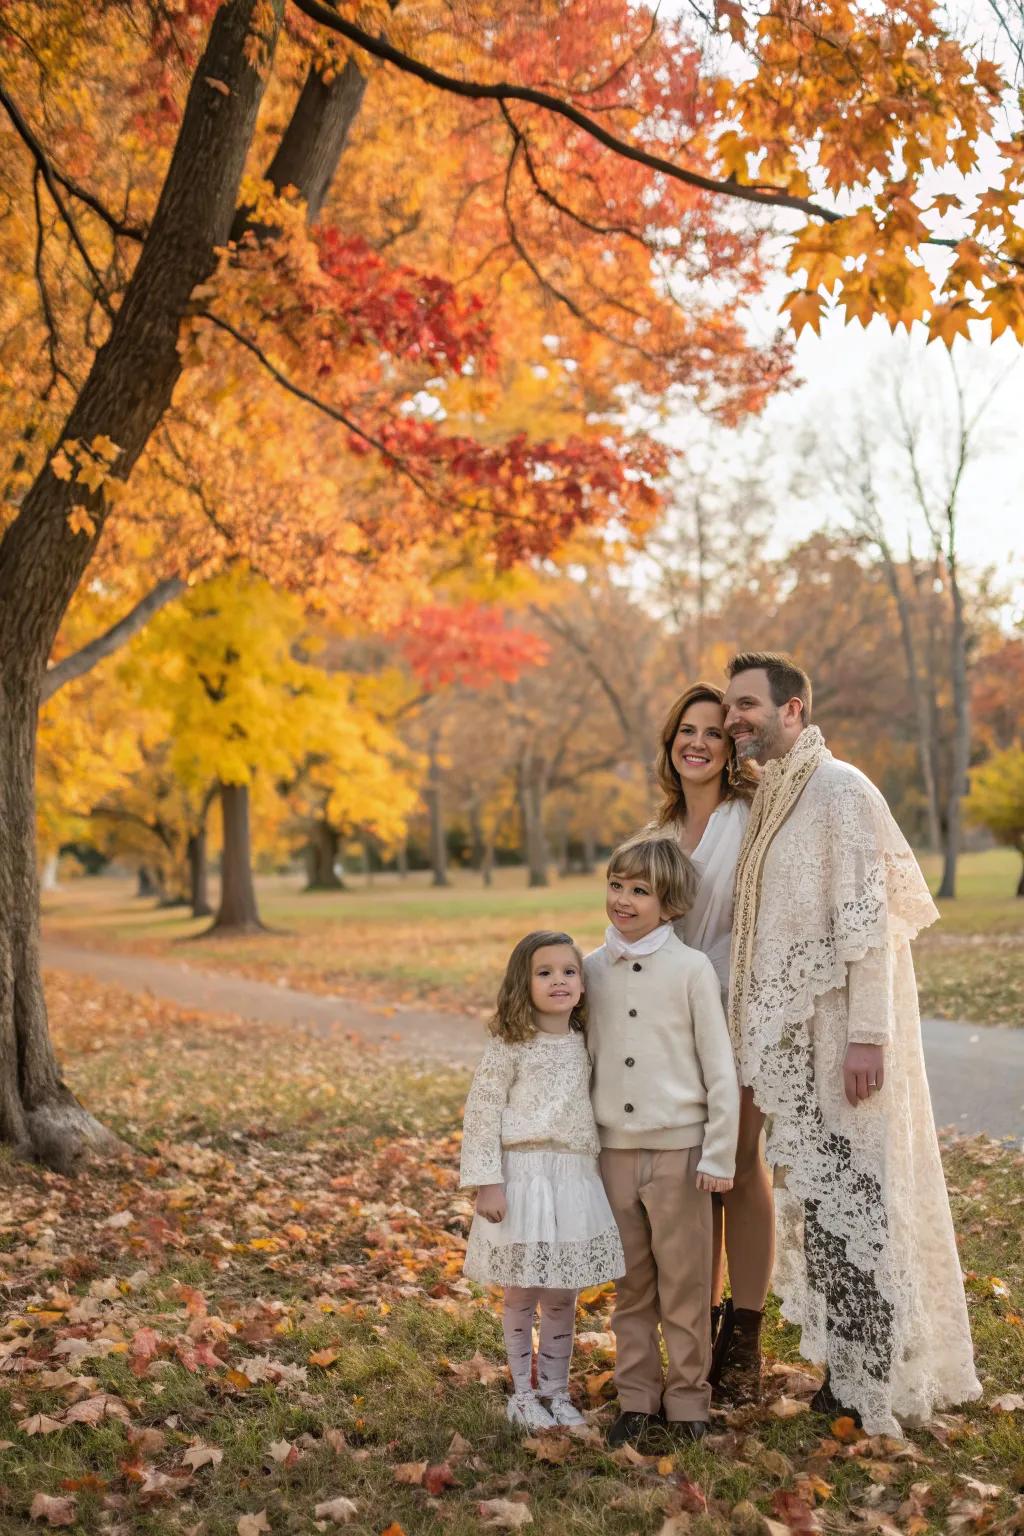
(557, 1328)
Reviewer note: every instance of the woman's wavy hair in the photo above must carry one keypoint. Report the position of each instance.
(513, 1017)
(738, 781)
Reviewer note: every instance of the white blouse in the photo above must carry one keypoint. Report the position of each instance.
(533, 1093)
(708, 924)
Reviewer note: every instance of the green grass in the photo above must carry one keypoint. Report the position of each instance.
(407, 942)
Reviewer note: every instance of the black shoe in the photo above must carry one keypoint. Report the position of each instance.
(825, 1401)
(631, 1427)
(687, 1429)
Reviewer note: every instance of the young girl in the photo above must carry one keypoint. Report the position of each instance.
(543, 1227)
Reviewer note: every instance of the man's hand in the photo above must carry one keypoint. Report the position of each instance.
(491, 1203)
(863, 1072)
(713, 1186)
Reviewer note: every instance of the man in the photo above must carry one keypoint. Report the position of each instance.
(824, 1018)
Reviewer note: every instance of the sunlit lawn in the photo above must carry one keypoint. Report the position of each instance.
(405, 941)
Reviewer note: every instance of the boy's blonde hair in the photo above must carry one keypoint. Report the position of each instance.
(660, 863)
(513, 1017)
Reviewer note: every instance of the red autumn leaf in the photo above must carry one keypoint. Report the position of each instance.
(437, 1478)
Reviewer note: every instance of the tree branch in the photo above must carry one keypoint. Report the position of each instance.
(502, 91)
(80, 662)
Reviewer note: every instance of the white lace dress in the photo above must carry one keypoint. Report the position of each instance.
(529, 1125)
(866, 1257)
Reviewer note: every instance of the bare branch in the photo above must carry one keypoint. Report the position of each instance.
(83, 661)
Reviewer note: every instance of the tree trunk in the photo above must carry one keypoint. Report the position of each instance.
(48, 876)
(435, 810)
(487, 861)
(199, 874)
(476, 835)
(531, 806)
(589, 853)
(921, 696)
(148, 883)
(961, 755)
(368, 859)
(237, 912)
(322, 858)
(42, 560)
(39, 1116)
(402, 860)
(564, 868)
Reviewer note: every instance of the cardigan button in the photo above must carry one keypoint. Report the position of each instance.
(632, 1013)
(637, 966)
(630, 1062)
(628, 1109)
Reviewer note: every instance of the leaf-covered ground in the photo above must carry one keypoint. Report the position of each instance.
(404, 942)
(257, 1321)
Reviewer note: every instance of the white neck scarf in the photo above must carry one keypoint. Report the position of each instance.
(620, 949)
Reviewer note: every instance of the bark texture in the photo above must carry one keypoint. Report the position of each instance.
(322, 858)
(238, 912)
(127, 391)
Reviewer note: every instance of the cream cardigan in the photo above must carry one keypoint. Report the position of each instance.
(664, 1073)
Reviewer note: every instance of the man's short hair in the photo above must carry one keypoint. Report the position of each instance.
(785, 679)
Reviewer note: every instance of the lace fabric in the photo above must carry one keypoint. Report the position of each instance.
(534, 1093)
(867, 1262)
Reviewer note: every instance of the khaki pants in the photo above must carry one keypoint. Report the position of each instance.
(664, 1221)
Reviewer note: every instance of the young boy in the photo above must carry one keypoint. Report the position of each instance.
(666, 1100)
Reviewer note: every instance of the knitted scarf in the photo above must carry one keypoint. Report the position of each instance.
(782, 783)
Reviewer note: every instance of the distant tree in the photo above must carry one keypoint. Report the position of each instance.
(996, 800)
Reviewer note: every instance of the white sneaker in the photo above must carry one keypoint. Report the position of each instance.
(563, 1411)
(525, 1411)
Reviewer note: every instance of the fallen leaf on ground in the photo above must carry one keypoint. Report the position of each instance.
(479, 1368)
(323, 1357)
(552, 1448)
(796, 1515)
(199, 1455)
(412, 1472)
(39, 1424)
(282, 1451)
(437, 1478)
(91, 1410)
(676, 1525)
(845, 1429)
(787, 1407)
(505, 1513)
(54, 1510)
(252, 1525)
(1010, 1402)
(983, 1490)
(335, 1439)
(690, 1497)
(596, 1384)
(340, 1510)
(458, 1447)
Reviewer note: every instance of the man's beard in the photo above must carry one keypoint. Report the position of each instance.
(762, 743)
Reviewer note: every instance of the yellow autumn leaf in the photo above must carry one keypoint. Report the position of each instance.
(61, 465)
(79, 521)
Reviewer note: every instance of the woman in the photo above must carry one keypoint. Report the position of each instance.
(706, 806)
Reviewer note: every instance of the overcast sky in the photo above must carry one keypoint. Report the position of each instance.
(847, 376)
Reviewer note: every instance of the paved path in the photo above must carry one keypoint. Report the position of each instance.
(976, 1073)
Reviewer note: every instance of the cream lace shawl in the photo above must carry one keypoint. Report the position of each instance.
(827, 882)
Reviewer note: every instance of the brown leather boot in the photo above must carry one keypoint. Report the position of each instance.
(739, 1377)
(721, 1329)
